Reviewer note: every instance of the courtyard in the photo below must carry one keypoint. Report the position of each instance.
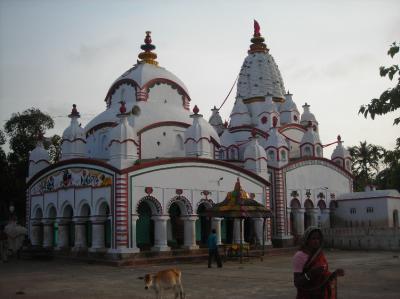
(368, 275)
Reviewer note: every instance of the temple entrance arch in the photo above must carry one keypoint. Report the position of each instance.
(144, 226)
(37, 227)
(203, 224)
(104, 210)
(308, 215)
(175, 226)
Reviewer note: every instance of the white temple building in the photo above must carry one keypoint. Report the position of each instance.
(140, 174)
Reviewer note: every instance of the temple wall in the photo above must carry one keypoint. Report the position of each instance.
(362, 238)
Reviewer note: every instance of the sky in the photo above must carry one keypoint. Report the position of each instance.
(57, 53)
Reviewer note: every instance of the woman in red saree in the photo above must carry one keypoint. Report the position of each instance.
(312, 277)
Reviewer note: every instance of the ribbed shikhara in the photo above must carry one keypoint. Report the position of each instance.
(121, 211)
(280, 203)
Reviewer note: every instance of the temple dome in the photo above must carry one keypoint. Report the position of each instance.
(135, 87)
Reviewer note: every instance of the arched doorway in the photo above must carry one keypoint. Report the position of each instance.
(37, 228)
(85, 214)
(104, 210)
(203, 225)
(52, 217)
(176, 226)
(144, 227)
(309, 206)
(249, 233)
(67, 215)
(227, 230)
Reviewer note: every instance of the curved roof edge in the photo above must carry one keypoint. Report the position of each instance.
(160, 162)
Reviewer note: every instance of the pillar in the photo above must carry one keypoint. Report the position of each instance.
(160, 233)
(48, 233)
(80, 234)
(98, 226)
(298, 218)
(236, 231)
(314, 216)
(36, 233)
(216, 224)
(189, 241)
(258, 227)
(63, 234)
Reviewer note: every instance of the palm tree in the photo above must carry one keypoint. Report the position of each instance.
(366, 160)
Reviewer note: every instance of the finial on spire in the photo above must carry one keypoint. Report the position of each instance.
(257, 41)
(74, 112)
(256, 29)
(148, 56)
(196, 109)
(226, 124)
(237, 185)
(339, 138)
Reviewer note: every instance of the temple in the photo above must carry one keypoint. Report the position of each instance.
(140, 175)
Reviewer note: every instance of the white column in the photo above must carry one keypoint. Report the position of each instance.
(298, 215)
(216, 224)
(236, 231)
(258, 227)
(48, 233)
(160, 233)
(98, 225)
(189, 241)
(36, 234)
(80, 235)
(134, 219)
(63, 234)
(314, 216)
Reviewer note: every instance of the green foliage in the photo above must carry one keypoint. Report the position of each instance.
(389, 100)
(366, 160)
(23, 130)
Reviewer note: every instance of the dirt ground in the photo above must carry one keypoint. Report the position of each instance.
(368, 275)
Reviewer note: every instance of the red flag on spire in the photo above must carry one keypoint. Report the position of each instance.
(256, 28)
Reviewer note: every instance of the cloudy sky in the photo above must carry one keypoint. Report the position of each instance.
(56, 53)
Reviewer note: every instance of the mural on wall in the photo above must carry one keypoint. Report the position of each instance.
(72, 177)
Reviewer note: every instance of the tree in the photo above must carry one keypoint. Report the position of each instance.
(366, 160)
(23, 130)
(389, 100)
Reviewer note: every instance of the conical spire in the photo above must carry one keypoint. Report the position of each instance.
(148, 56)
(258, 44)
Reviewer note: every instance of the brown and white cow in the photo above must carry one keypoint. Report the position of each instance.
(165, 280)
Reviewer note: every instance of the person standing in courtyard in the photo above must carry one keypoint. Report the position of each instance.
(213, 249)
(312, 277)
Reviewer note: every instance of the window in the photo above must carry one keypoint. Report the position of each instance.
(271, 155)
(370, 209)
(307, 151)
(283, 155)
(353, 211)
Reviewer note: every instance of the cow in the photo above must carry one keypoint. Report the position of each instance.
(165, 280)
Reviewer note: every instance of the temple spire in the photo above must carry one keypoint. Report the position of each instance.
(148, 56)
(258, 44)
